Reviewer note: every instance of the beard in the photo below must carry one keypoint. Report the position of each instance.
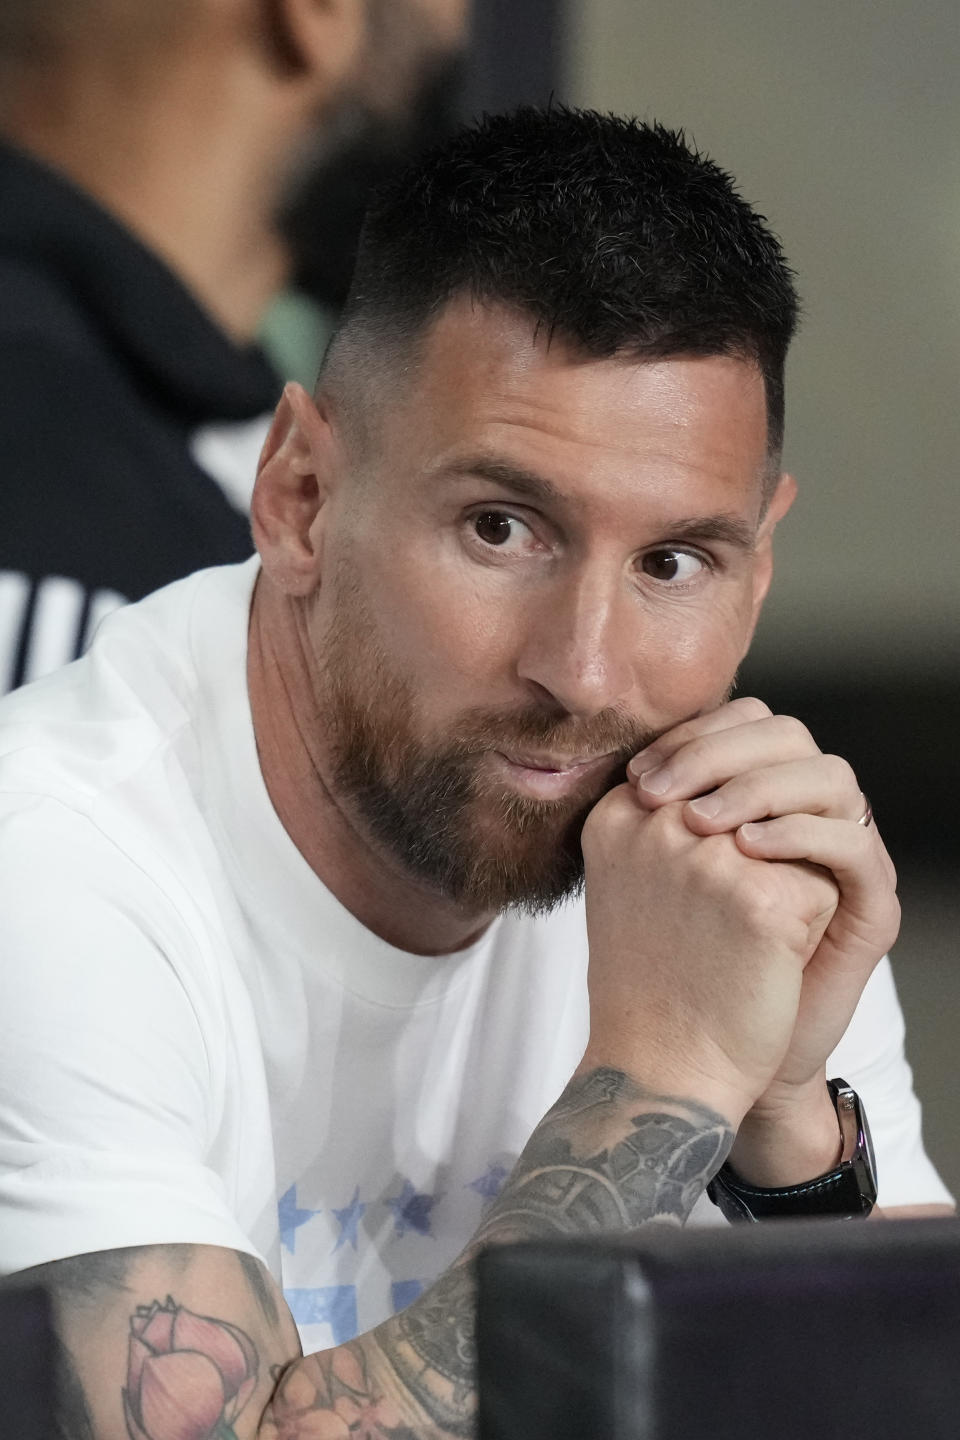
(364, 143)
(433, 804)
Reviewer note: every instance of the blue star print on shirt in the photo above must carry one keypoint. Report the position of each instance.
(291, 1218)
(411, 1211)
(490, 1184)
(348, 1219)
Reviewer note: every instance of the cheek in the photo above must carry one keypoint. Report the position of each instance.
(445, 633)
(689, 664)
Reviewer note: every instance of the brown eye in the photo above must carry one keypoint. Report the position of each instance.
(667, 565)
(493, 527)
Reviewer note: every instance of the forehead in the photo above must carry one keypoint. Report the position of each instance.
(486, 381)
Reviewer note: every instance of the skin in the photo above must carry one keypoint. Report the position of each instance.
(189, 120)
(641, 461)
(728, 945)
(562, 617)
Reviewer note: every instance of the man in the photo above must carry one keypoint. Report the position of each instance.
(149, 152)
(296, 970)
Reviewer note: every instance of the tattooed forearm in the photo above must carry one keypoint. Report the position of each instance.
(210, 1365)
(432, 1350)
(331, 1397)
(608, 1157)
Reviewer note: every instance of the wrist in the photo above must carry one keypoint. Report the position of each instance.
(845, 1191)
(667, 1081)
(788, 1137)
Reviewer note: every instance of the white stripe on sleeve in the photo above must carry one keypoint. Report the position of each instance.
(53, 635)
(14, 595)
(101, 604)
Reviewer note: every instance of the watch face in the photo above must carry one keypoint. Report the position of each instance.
(857, 1142)
(865, 1162)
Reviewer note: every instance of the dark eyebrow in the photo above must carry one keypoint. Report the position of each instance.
(511, 477)
(727, 529)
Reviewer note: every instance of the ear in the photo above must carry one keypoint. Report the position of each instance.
(780, 501)
(295, 475)
(320, 40)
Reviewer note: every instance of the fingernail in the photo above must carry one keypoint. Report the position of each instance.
(751, 832)
(636, 764)
(707, 805)
(655, 782)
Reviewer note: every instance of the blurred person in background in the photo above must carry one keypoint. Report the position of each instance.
(156, 169)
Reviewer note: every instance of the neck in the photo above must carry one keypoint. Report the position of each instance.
(185, 157)
(374, 887)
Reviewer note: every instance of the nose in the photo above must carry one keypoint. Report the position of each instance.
(580, 643)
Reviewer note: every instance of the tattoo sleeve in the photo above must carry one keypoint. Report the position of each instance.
(197, 1357)
(609, 1156)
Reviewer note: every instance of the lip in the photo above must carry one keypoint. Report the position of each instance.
(549, 777)
(560, 764)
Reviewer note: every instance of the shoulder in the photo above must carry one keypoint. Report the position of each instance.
(94, 760)
(38, 306)
(100, 482)
(101, 763)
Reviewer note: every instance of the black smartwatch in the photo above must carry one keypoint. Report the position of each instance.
(848, 1192)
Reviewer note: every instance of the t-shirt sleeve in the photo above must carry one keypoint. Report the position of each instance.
(109, 1099)
(871, 1057)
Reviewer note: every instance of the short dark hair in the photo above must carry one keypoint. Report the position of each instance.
(617, 235)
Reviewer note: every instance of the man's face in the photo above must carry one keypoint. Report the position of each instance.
(408, 43)
(541, 562)
(398, 97)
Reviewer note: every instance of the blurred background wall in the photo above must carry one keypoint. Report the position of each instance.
(840, 122)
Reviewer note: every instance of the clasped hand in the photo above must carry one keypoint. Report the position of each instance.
(735, 910)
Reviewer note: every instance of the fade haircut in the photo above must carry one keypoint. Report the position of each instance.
(616, 235)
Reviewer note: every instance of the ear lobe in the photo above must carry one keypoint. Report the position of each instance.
(294, 476)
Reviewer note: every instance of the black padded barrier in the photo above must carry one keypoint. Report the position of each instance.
(26, 1365)
(816, 1330)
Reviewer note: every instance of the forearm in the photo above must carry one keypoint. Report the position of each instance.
(608, 1157)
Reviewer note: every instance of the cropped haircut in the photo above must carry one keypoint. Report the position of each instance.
(616, 235)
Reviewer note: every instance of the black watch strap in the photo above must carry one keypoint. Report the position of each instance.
(847, 1192)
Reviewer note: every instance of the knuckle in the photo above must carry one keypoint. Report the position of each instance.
(742, 792)
(674, 739)
(611, 820)
(840, 772)
(722, 867)
(794, 732)
(667, 820)
(752, 707)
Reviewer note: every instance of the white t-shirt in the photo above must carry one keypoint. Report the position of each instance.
(199, 1044)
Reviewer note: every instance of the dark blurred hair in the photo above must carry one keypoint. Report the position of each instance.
(614, 234)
